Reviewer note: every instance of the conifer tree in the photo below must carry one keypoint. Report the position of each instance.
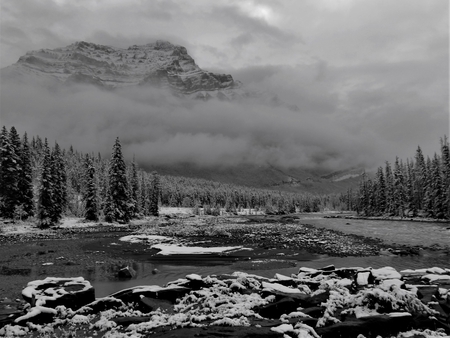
(45, 213)
(389, 189)
(118, 186)
(428, 189)
(399, 189)
(420, 179)
(26, 179)
(445, 164)
(59, 186)
(437, 192)
(10, 172)
(410, 190)
(90, 194)
(154, 194)
(134, 190)
(380, 192)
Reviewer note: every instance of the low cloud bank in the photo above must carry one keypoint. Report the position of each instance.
(342, 122)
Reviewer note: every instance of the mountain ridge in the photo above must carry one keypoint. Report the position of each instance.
(160, 64)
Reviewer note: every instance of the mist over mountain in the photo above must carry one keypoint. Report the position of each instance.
(168, 112)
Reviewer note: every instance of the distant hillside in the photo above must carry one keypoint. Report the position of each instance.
(267, 177)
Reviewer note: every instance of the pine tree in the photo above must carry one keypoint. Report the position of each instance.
(380, 192)
(437, 192)
(410, 190)
(10, 172)
(59, 180)
(420, 179)
(399, 189)
(118, 186)
(45, 201)
(389, 189)
(26, 180)
(154, 194)
(90, 195)
(428, 189)
(134, 190)
(445, 164)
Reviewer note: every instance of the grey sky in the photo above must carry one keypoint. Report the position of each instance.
(368, 76)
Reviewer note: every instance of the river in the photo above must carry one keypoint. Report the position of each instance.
(159, 272)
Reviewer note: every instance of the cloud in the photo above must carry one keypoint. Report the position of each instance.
(370, 79)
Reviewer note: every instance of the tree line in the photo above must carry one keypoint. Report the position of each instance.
(47, 183)
(415, 187)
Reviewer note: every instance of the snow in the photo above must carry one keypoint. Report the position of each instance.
(363, 278)
(386, 273)
(13, 331)
(35, 311)
(151, 239)
(167, 249)
(279, 287)
(283, 328)
(433, 277)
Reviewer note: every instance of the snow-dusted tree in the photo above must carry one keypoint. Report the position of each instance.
(118, 186)
(26, 179)
(445, 164)
(59, 187)
(45, 202)
(389, 179)
(154, 194)
(134, 190)
(90, 193)
(9, 172)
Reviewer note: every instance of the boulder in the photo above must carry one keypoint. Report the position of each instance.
(126, 272)
(52, 291)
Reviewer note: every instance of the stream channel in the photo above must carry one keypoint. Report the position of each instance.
(154, 269)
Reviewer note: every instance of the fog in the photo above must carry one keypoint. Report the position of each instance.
(340, 123)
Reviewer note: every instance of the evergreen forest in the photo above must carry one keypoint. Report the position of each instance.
(44, 183)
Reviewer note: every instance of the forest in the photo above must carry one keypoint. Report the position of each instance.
(417, 187)
(45, 183)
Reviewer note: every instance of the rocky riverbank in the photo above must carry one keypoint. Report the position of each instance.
(327, 302)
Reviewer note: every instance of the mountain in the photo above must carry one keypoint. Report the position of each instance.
(267, 176)
(165, 65)
(160, 64)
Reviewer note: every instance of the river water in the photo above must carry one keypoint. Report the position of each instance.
(152, 271)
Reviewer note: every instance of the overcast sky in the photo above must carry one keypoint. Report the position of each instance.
(369, 76)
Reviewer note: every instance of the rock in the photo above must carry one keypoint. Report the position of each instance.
(126, 272)
(373, 326)
(364, 277)
(52, 291)
(427, 293)
(278, 308)
(133, 295)
(101, 304)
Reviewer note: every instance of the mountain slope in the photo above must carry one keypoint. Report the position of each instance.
(159, 64)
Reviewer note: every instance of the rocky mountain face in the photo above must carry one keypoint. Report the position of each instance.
(160, 64)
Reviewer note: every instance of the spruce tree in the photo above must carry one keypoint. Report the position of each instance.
(90, 194)
(45, 213)
(26, 180)
(389, 189)
(445, 164)
(59, 180)
(154, 194)
(380, 192)
(118, 186)
(437, 192)
(134, 190)
(10, 172)
(420, 179)
(399, 189)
